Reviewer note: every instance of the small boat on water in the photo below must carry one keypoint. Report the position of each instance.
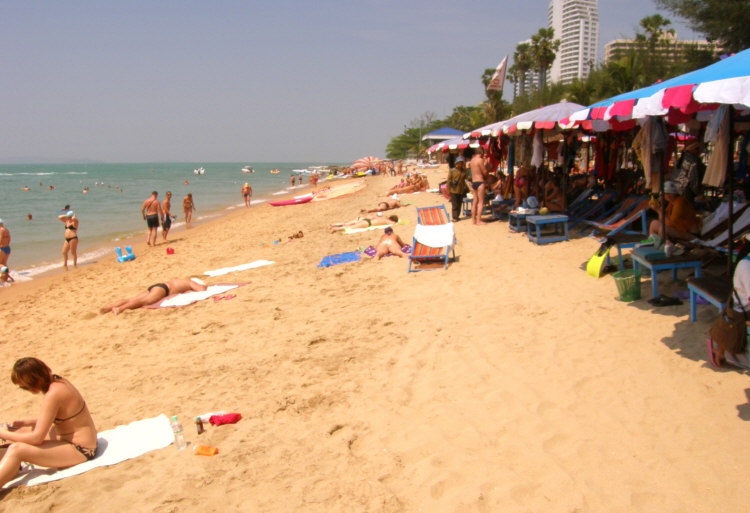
(248, 169)
(199, 171)
(274, 171)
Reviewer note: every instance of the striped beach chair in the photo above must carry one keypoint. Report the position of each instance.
(423, 254)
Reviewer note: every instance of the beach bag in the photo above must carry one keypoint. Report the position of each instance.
(729, 330)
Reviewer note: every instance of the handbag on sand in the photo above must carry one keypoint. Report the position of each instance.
(729, 330)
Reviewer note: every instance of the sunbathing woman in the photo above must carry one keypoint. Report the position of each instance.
(383, 206)
(63, 435)
(389, 243)
(364, 222)
(154, 293)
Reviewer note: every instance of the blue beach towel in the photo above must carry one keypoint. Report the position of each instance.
(341, 258)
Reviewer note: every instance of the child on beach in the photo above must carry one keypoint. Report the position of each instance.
(5, 277)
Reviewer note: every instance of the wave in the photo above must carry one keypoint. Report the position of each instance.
(45, 173)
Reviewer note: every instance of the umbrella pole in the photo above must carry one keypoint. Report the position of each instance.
(730, 190)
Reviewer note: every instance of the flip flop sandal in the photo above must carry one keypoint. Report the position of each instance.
(230, 296)
(218, 298)
(663, 300)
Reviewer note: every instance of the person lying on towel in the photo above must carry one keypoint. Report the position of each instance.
(63, 435)
(155, 293)
(364, 222)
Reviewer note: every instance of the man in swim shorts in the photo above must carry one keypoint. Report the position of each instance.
(166, 222)
(247, 193)
(155, 293)
(479, 175)
(4, 244)
(151, 210)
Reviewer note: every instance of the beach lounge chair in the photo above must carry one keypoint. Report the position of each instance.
(434, 238)
(615, 213)
(602, 230)
(591, 208)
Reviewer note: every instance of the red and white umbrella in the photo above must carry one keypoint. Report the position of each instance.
(366, 163)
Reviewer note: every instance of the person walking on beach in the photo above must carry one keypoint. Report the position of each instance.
(151, 211)
(166, 222)
(154, 293)
(70, 244)
(478, 178)
(291, 179)
(4, 244)
(457, 187)
(188, 206)
(247, 193)
(63, 435)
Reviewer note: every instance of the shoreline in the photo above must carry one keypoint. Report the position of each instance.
(103, 247)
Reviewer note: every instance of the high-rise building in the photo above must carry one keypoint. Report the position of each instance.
(576, 25)
(669, 48)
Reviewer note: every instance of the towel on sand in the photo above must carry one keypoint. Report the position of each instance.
(187, 298)
(243, 267)
(434, 236)
(341, 258)
(116, 445)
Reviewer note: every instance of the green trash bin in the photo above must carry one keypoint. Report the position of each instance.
(628, 284)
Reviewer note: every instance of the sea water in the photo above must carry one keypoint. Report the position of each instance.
(111, 209)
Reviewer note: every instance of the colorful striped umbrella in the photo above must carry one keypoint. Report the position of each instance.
(365, 163)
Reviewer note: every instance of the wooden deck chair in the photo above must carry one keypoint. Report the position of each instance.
(423, 254)
(602, 231)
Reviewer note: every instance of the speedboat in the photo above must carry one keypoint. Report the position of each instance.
(248, 169)
(199, 171)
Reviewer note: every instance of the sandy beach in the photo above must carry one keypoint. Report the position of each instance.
(511, 382)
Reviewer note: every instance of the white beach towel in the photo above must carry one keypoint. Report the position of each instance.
(243, 267)
(116, 445)
(434, 236)
(188, 298)
(369, 228)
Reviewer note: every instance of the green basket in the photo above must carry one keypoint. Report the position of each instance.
(628, 284)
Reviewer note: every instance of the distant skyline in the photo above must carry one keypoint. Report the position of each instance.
(249, 81)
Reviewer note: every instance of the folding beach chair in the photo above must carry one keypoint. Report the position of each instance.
(434, 238)
(615, 213)
(591, 208)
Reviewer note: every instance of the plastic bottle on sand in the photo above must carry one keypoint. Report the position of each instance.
(179, 435)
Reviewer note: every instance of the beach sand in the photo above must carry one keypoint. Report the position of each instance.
(511, 382)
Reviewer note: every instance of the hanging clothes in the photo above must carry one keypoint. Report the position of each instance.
(717, 132)
(537, 156)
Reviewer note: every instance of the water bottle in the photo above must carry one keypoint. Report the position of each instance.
(179, 436)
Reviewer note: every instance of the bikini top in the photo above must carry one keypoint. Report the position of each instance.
(71, 227)
(58, 421)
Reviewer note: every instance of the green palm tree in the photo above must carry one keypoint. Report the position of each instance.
(522, 64)
(544, 48)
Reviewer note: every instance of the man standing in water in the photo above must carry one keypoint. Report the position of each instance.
(166, 223)
(478, 186)
(4, 244)
(151, 211)
(247, 194)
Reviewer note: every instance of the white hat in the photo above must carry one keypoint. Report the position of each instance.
(671, 188)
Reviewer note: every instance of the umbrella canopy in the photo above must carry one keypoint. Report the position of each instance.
(699, 91)
(442, 134)
(365, 163)
(543, 118)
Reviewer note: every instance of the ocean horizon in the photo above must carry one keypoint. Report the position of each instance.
(110, 209)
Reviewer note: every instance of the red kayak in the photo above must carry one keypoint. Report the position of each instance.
(307, 198)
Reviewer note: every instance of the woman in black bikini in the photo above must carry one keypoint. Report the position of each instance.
(63, 435)
(71, 237)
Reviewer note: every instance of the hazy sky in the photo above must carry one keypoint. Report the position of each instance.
(221, 80)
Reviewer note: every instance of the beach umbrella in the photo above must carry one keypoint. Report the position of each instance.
(546, 118)
(696, 93)
(365, 163)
